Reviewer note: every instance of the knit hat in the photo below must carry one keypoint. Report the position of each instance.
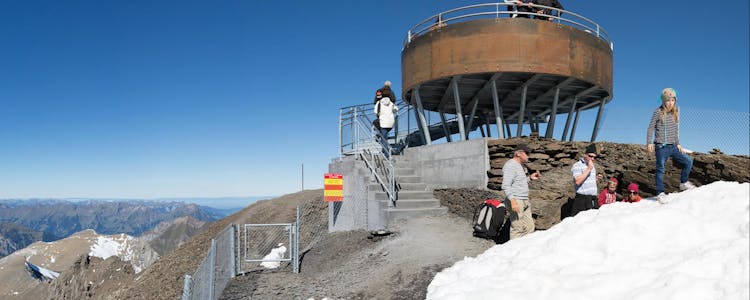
(613, 179)
(633, 187)
(591, 149)
(668, 93)
(387, 83)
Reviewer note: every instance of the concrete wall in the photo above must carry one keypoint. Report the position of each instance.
(359, 209)
(451, 165)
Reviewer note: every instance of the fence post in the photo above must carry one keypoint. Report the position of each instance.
(296, 243)
(231, 251)
(186, 288)
(211, 269)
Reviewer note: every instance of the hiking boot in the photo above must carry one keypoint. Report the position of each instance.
(686, 186)
(662, 198)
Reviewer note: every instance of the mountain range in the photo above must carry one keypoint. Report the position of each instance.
(23, 222)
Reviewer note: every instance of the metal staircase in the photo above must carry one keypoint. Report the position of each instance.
(395, 184)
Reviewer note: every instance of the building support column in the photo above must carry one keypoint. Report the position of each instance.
(445, 127)
(570, 116)
(420, 115)
(521, 112)
(575, 124)
(459, 115)
(473, 105)
(486, 116)
(552, 116)
(598, 119)
(498, 111)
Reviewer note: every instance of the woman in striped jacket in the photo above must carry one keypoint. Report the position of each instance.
(663, 136)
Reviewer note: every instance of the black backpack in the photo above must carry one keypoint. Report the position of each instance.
(489, 219)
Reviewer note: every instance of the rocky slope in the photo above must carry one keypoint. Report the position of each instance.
(61, 255)
(164, 279)
(15, 236)
(169, 235)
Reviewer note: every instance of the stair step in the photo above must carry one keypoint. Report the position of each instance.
(413, 204)
(407, 213)
(375, 187)
(412, 186)
(406, 195)
(404, 171)
(408, 179)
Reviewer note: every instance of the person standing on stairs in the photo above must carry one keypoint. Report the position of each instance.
(516, 188)
(386, 111)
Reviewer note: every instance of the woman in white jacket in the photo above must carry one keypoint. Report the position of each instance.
(386, 111)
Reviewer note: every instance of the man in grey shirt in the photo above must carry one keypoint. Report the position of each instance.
(516, 187)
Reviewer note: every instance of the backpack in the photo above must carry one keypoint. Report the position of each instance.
(489, 219)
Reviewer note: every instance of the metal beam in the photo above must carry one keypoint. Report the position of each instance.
(553, 116)
(521, 111)
(598, 119)
(459, 115)
(444, 100)
(420, 113)
(498, 111)
(471, 116)
(570, 115)
(555, 89)
(575, 124)
(487, 123)
(417, 120)
(445, 127)
(568, 99)
(507, 127)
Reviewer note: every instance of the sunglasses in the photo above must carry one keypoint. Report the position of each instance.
(633, 193)
(592, 155)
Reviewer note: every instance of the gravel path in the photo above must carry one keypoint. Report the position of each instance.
(357, 265)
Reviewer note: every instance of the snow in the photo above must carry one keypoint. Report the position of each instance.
(106, 247)
(43, 271)
(271, 260)
(115, 245)
(695, 247)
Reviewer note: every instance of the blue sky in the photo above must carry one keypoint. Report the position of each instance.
(149, 99)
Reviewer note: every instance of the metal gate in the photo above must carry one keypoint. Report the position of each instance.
(267, 246)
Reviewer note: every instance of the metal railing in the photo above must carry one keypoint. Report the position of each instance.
(357, 136)
(500, 10)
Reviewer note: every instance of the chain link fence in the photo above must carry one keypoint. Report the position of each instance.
(215, 271)
(267, 246)
(704, 130)
(242, 248)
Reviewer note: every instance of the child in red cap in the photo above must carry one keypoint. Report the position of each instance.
(633, 195)
(609, 194)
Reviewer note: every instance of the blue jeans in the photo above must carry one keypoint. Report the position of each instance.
(664, 152)
(384, 140)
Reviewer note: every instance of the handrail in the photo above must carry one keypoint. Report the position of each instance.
(364, 143)
(556, 14)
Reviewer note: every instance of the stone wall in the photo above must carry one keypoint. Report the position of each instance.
(626, 162)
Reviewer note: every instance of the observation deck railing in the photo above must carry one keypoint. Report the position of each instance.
(500, 10)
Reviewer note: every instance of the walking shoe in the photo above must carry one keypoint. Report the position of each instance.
(686, 186)
(662, 198)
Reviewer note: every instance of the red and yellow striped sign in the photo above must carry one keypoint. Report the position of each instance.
(333, 187)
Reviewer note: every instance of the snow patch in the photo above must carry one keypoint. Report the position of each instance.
(272, 259)
(695, 247)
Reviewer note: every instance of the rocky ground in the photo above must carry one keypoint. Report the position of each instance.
(359, 265)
